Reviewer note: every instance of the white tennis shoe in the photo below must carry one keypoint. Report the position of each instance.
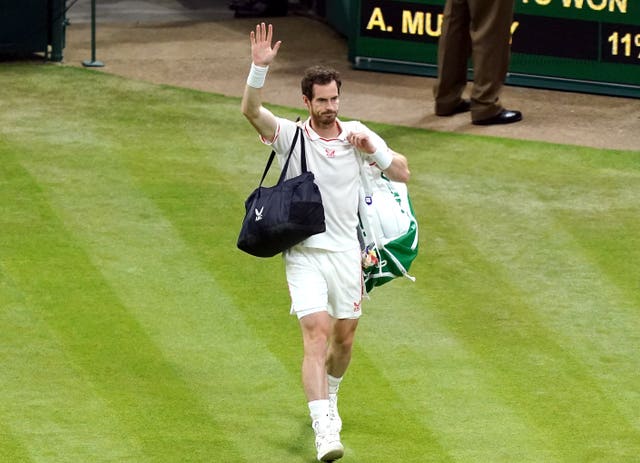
(328, 443)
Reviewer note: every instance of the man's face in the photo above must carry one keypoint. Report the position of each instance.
(323, 108)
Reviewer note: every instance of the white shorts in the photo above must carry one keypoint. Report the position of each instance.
(321, 280)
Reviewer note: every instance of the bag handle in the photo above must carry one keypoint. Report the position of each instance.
(303, 159)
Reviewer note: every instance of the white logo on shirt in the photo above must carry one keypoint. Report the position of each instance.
(259, 214)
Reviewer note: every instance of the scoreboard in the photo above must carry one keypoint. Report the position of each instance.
(589, 46)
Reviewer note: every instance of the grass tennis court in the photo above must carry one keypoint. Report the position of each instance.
(133, 330)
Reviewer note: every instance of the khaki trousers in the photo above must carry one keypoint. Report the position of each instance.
(480, 30)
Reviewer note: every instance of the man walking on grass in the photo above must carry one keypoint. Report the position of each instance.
(324, 272)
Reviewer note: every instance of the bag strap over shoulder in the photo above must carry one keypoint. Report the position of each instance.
(303, 157)
(285, 168)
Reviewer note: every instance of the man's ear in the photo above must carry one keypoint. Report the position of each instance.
(306, 101)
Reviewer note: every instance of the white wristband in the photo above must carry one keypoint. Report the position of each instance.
(257, 76)
(382, 158)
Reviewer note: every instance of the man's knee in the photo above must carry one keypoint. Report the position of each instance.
(344, 342)
(343, 336)
(344, 330)
(315, 330)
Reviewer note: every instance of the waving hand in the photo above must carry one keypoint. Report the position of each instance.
(262, 52)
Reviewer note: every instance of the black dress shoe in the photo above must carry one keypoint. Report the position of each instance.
(462, 107)
(506, 116)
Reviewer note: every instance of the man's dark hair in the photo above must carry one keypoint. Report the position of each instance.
(319, 75)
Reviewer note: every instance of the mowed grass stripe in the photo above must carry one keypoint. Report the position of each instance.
(616, 438)
(163, 286)
(585, 304)
(611, 245)
(377, 423)
(552, 391)
(51, 410)
(66, 170)
(10, 445)
(445, 384)
(107, 346)
(545, 236)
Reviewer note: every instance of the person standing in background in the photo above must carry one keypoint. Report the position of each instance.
(480, 29)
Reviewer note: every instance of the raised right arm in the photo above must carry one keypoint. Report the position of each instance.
(262, 54)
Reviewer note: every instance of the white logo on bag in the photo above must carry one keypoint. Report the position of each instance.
(259, 214)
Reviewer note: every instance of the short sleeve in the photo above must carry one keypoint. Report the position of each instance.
(285, 131)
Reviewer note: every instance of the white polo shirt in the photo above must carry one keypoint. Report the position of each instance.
(335, 163)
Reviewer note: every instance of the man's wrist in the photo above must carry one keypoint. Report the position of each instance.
(257, 76)
(383, 158)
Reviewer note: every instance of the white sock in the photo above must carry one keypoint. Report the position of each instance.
(334, 384)
(319, 409)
